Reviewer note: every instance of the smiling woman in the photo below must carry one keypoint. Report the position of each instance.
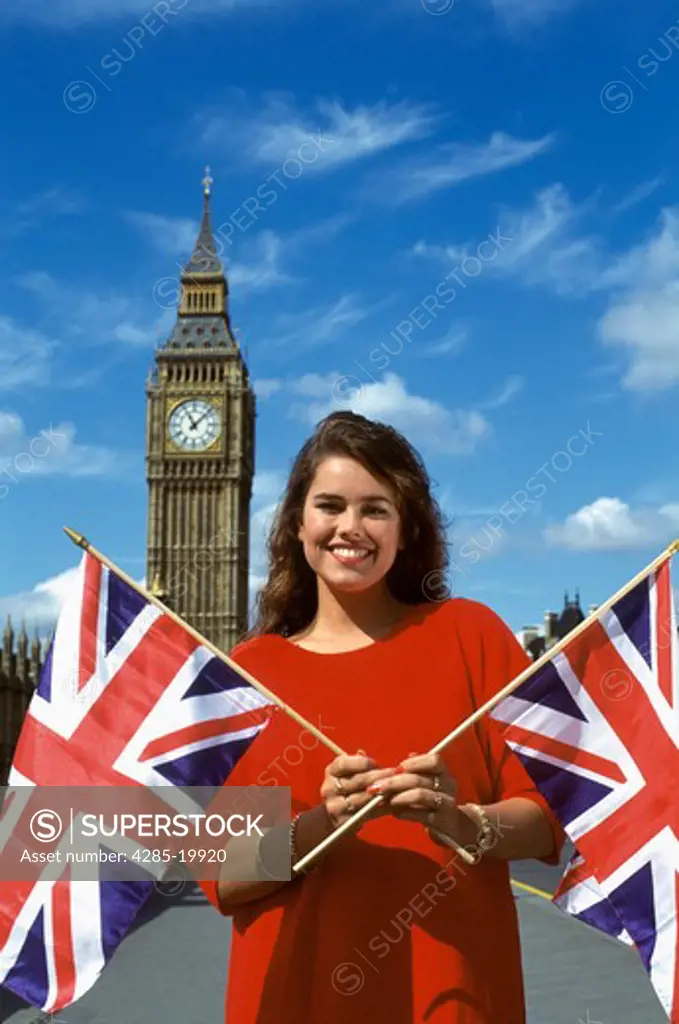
(345, 636)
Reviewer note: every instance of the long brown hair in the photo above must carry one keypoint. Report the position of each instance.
(288, 601)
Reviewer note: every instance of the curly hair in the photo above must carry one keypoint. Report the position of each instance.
(287, 603)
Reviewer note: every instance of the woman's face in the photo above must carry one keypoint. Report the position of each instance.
(351, 528)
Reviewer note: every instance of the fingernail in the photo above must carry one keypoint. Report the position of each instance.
(375, 787)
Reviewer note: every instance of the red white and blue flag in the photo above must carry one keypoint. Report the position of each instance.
(597, 728)
(126, 697)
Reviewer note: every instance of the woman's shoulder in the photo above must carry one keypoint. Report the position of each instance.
(466, 613)
(255, 646)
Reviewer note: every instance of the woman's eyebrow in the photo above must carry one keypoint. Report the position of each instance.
(366, 497)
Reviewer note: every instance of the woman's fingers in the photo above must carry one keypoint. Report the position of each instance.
(409, 780)
(345, 784)
(351, 764)
(420, 798)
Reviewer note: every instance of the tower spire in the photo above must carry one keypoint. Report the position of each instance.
(204, 259)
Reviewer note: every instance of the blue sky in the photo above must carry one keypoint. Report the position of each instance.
(468, 226)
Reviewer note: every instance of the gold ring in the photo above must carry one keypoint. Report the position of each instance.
(437, 783)
(350, 809)
(339, 784)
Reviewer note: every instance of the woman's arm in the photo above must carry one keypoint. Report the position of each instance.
(312, 828)
(521, 829)
(344, 790)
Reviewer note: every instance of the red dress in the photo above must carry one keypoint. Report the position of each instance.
(383, 930)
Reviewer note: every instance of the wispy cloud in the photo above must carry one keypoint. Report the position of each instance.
(456, 162)
(260, 254)
(39, 608)
(95, 318)
(17, 218)
(266, 387)
(25, 356)
(610, 524)
(518, 14)
(268, 136)
(428, 423)
(319, 325)
(550, 248)
(639, 194)
(53, 451)
(169, 235)
(643, 312)
(540, 245)
(67, 14)
(512, 386)
(450, 344)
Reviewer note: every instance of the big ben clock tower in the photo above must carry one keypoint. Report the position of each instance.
(200, 424)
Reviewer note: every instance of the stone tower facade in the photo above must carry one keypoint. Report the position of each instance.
(200, 445)
(20, 665)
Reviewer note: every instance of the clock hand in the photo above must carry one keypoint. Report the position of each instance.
(194, 425)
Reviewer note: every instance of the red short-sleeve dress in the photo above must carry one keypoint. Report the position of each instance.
(387, 928)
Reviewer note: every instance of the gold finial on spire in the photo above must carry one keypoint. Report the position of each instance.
(208, 181)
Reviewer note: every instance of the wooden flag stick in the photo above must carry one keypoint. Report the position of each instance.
(82, 542)
(670, 550)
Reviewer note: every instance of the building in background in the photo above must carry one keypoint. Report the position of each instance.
(200, 449)
(535, 640)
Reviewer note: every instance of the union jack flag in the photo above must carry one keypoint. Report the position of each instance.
(126, 697)
(597, 728)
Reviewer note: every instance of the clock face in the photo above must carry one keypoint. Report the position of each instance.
(194, 425)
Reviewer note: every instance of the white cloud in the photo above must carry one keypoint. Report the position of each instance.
(18, 217)
(639, 194)
(99, 318)
(39, 607)
(267, 485)
(538, 244)
(74, 13)
(265, 271)
(169, 235)
(260, 254)
(329, 137)
(512, 386)
(53, 450)
(320, 324)
(424, 421)
(25, 356)
(267, 387)
(521, 13)
(456, 162)
(609, 524)
(642, 318)
(450, 344)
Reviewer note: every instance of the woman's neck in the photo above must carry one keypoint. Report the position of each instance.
(354, 615)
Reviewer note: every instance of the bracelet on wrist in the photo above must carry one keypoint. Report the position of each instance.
(486, 837)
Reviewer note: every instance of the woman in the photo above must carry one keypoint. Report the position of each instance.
(391, 923)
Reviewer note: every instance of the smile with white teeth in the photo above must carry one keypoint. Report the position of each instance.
(346, 554)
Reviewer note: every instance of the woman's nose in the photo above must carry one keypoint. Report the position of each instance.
(349, 522)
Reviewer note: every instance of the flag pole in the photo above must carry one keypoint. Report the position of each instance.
(670, 550)
(82, 542)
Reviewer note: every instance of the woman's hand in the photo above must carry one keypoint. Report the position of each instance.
(423, 790)
(345, 786)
